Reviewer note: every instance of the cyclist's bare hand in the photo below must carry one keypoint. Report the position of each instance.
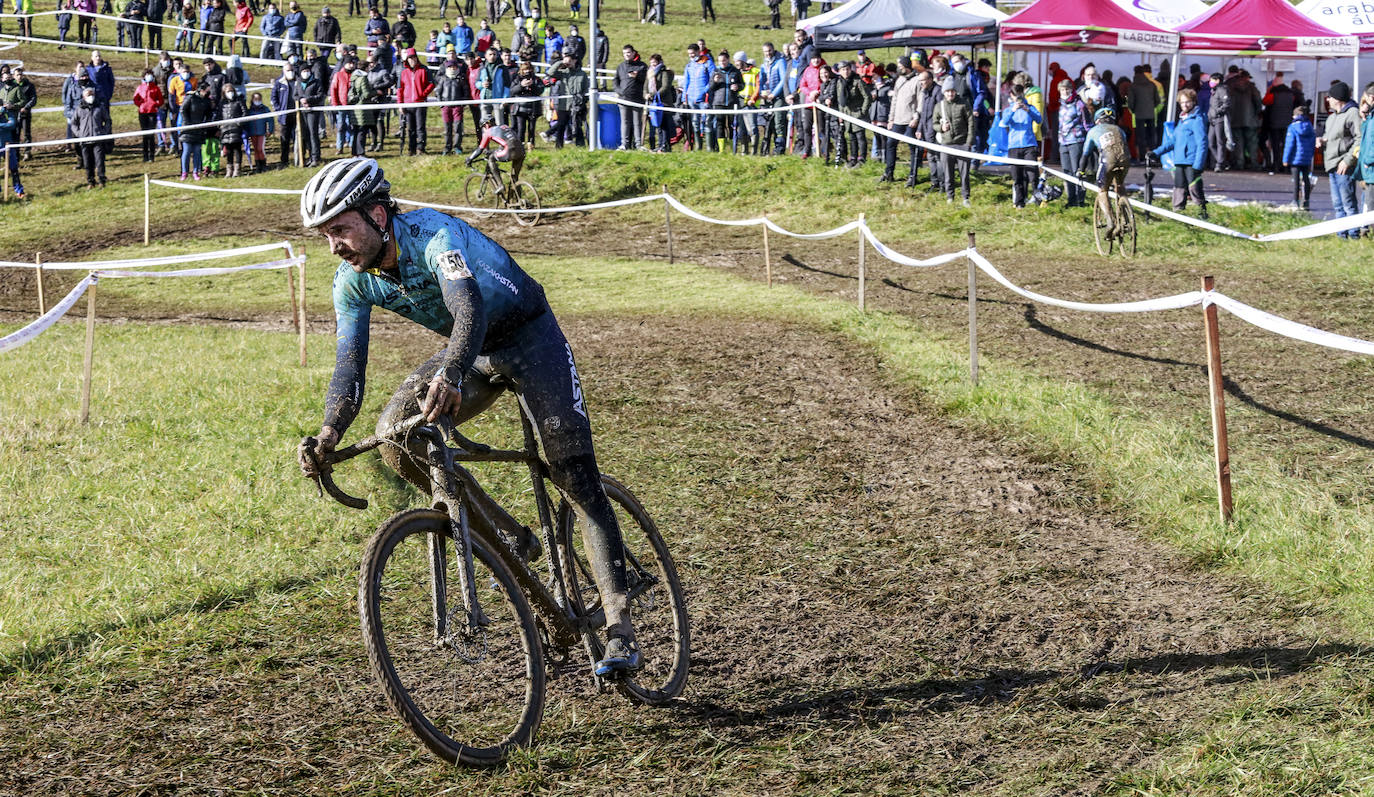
(442, 398)
(325, 442)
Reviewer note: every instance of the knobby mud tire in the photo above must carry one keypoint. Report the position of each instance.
(524, 197)
(1102, 225)
(660, 614)
(1128, 227)
(393, 600)
(478, 194)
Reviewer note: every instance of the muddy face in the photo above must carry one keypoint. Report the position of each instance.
(353, 239)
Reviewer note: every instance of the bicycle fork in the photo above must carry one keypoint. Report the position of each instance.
(474, 619)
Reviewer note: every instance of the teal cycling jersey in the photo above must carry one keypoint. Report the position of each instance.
(509, 295)
(446, 272)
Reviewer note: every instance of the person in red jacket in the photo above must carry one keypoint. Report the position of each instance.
(338, 95)
(415, 86)
(243, 22)
(148, 98)
(807, 88)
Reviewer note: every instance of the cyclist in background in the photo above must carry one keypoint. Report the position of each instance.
(445, 275)
(509, 147)
(1114, 160)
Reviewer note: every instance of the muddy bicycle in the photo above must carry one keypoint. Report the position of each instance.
(489, 190)
(1114, 223)
(463, 633)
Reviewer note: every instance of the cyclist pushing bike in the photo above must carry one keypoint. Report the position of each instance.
(443, 274)
(1114, 160)
(509, 148)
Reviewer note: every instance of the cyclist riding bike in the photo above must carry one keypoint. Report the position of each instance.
(509, 147)
(1114, 160)
(445, 275)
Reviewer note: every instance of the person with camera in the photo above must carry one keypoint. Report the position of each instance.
(1022, 143)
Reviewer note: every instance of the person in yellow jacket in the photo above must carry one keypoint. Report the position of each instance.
(538, 30)
(748, 99)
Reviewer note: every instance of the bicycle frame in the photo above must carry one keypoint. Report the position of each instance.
(451, 485)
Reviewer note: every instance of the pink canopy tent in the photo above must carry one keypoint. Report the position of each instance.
(1083, 24)
(1262, 28)
(1080, 25)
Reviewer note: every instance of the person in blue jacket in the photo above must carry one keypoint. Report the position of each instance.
(464, 40)
(295, 29)
(1020, 121)
(1188, 147)
(10, 155)
(696, 80)
(1298, 148)
(773, 94)
(272, 24)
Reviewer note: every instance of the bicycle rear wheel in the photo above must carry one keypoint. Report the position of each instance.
(470, 695)
(1102, 224)
(479, 194)
(657, 605)
(1126, 214)
(524, 197)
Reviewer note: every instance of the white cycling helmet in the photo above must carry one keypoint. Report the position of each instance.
(342, 185)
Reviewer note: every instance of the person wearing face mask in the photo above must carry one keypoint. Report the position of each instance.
(272, 24)
(195, 110)
(284, 105)
(92, 119)
(339, 84)
(162, 76)
(102, 76)
(452, 86)
(148, 99)
(308, 93)
(257, 130)
(232, 109)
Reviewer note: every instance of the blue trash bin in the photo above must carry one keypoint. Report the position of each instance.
(608, 125)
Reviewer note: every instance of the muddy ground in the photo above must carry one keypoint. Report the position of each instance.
(880, 603)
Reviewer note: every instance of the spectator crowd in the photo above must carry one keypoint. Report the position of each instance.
(717, 101)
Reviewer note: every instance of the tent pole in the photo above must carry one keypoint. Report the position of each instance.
(1355, 87)
(997, 80)
(1171, 113)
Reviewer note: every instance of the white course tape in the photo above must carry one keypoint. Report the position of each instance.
(1321, 228)
(26, 335)
(1289, 329)
(1147, 305)
(204, 272)
(198, 187)
(615, 203)
(150, 261)
(56, 142)
(905, 260)
(707, 111)
(114, 48)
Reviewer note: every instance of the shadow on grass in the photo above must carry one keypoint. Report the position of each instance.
(939, 695)
(1232, 388)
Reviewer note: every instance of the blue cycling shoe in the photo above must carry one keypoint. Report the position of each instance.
(621, 658)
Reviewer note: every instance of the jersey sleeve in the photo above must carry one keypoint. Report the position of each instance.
(352, 315)
(452, 257)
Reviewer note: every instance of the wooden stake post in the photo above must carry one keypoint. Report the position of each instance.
(147, 210)
(38, 269)
(300, 138)
(1218, 397)
(301, 305)
(972, 315)
(668, 223)
(90, 354)
(863, 275)
(767, 258)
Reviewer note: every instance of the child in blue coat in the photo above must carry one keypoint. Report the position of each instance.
(1298, 147)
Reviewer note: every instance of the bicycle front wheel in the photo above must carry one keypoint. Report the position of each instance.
(1102, 224)
(1126, 214)
(480, 195)
(473, 690)
(524, 197)
(657, 605)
